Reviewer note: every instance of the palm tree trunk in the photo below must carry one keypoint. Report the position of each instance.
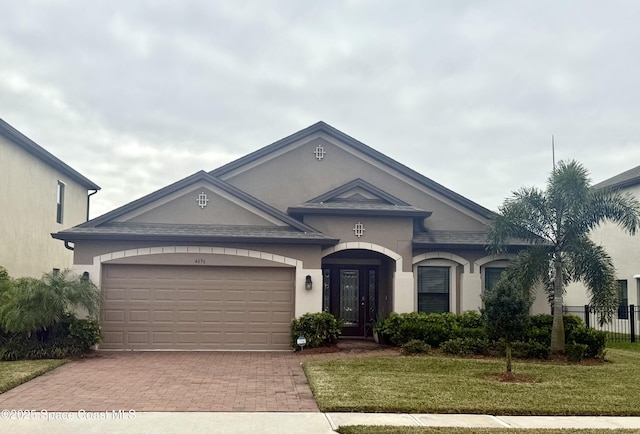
(557, 329)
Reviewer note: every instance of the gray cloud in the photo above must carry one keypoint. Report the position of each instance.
(136, 95)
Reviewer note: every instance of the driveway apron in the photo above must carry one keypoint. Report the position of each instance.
(170, 381)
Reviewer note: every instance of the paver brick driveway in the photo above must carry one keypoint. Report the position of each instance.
(169, 381)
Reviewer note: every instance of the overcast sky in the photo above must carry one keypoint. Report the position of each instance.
(136, 95)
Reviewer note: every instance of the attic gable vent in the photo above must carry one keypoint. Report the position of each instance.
(202, 200)
(319, 152)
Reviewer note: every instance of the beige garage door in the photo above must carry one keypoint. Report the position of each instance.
(197, 308)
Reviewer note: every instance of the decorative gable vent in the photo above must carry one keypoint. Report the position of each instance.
(358, 229)
(319, 152)
(202, 200)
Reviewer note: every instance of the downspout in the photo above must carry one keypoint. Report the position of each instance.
(88, 203)
(67, 246)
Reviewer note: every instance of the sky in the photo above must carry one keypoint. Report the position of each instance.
(136, 95)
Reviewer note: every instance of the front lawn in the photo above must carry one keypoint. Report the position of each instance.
(441, 384)
(15, 373)
(359, 429)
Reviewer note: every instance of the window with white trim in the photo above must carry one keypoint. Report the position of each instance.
(491, 276)
(60, 202)
(434, 287)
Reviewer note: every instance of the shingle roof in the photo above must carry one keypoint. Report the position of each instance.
(198, 176)
(104, 227)
(475, 239)
(624, 179)
(361, 207)
(193, 233)
(38, 151)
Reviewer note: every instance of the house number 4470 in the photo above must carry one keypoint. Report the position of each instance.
(200, 261)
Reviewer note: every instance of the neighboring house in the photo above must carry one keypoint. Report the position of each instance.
(623, 248)
(315, 221)
(39, 194)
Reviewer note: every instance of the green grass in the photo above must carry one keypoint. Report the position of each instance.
(440, 384)
(15, 373)
(361, 429)
(624, 346)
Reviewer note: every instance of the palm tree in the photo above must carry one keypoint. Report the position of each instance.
(557, 222)
(30, 305)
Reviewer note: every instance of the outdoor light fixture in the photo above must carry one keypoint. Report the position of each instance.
(85, 276)
(308, 284)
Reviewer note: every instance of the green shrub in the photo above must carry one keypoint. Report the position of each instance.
(571, 323)
(530, 350)
(84, 334)
(575, 352)
(471, 325)
(470, 319)
(466, 346)
(415, 346)
(593, 339)
(434, 329)
(71, 337)
(319, 329)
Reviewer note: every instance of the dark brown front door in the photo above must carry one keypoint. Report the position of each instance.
(352, 296)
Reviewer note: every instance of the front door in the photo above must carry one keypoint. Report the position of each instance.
(351, 295)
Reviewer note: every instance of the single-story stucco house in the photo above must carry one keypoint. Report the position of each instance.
(315, 221)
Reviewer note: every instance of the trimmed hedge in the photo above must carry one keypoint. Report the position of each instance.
(71, 337)
(319, 329)
(465, 334)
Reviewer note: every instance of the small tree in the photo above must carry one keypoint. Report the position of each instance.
(506, 308)
(30, 305)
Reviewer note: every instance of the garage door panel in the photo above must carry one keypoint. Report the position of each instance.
(113, 315)
(137, 337)
(280, 339)
(211, 316)
(188, 316)
(182, 307)
(163, 316)
(209, 338)
(164, 294)
(282, 317)
(189, 294)
(114, 336)
(258, 338)
(162, 337)
(139, 294)
(139, 316)
(259, 318)
(282, 296)
(211, 294)
(115, 294)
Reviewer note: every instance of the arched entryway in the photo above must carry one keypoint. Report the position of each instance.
(357, 288)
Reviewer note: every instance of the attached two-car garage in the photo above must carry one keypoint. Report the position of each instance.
(179, 307)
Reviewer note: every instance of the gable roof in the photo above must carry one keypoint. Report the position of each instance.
(622, 180)
(361, 147)
(104, 227)
(38, 151)
(382, 203)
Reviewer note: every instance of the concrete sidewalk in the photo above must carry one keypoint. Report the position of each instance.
(268, 423)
